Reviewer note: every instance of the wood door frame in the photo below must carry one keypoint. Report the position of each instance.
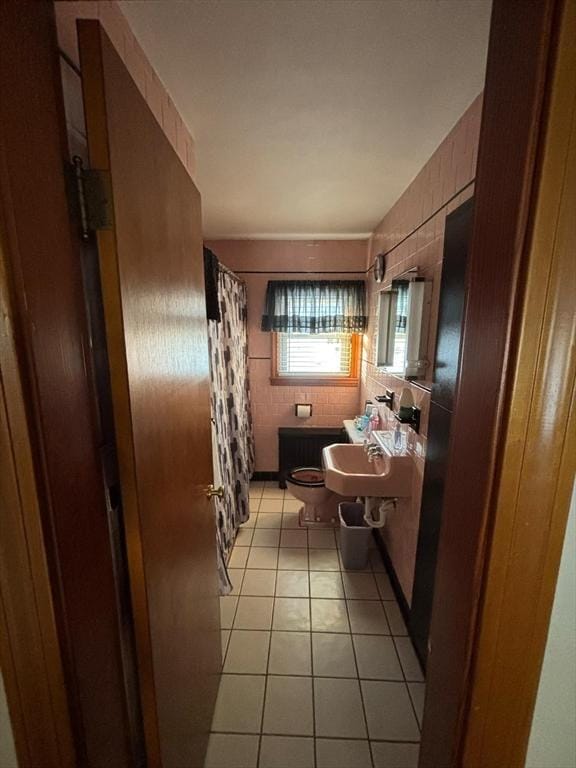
(63, 664)
(30, 659)
(504, 518)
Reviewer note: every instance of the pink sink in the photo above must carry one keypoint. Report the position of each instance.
(349, 473)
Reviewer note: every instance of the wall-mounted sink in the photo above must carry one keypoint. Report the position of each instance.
(349, 472)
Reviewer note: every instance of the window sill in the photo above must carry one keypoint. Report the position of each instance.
(302, 381)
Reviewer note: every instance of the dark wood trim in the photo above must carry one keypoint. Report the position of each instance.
(521, 54)
(277, 380)
(47, 325)
(537, 455)
(30, 658)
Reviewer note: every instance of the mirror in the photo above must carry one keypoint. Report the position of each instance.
(403, 313)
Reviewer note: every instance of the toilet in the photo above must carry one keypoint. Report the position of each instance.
(320, 505)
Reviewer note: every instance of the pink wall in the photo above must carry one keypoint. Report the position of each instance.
(273, 406)
(145, 77)
(450, 168)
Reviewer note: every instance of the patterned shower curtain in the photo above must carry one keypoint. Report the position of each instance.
(232, 437)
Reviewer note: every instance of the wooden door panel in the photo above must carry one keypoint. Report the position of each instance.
(153, 289)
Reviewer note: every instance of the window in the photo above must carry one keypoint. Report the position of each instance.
(320, 358)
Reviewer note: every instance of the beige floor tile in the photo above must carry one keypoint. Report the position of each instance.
(376, 658)
(266, 537)
(290, 654)
(342, 753)
(259, 583)
(262, 557)
(270, 505)
(273, 493)
(376, 561)
(283, 751)
(323, 560)
(389, 712)
(333, 655)
(239, 557)
(387, 754)
(360, 586)
(395, 620)
(251, 522)
(321, 539)
(293, 559)
(408, 660)
(227, 610)
(269, 520)
(296, 539)
(239, 704)
(292, 505)
(417, 694)
(367, 617)
(253, 504)
(384, 586)
(291, 613)
(247, 652)
(254, 613)
(288, 707)
(244, 537)
(329, 616)
(326, 584)
(292, 584)
(231, 750)
(338, 708)
(290, 520)
(236, 575)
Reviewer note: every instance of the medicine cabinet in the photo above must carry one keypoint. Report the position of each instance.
(403, 316)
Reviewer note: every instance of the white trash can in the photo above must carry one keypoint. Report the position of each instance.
(355, 535)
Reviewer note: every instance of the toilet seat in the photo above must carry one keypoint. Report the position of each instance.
(307, 477)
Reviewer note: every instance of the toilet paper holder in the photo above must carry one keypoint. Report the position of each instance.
(303, 410)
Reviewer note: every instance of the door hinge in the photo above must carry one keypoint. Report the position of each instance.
(94, 194)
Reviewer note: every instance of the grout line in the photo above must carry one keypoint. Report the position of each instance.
(358, 683)
(265, 684)
(307, 736)
(312, 666)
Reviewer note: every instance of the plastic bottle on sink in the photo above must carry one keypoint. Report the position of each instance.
(374, 422)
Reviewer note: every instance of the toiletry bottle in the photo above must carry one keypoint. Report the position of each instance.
(374, 422)
(398, 437)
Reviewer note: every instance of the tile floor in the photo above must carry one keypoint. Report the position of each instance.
(318, 669)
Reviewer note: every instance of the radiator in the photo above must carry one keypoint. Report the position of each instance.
(302, 447)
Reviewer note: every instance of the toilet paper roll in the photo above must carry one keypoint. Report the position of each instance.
(303, 410)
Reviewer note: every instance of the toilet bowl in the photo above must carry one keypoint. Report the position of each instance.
(320, 505)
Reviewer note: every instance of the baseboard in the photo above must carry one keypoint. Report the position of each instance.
(399, 594)
(265, 476)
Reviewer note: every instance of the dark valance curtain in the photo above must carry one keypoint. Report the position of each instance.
(315, 306)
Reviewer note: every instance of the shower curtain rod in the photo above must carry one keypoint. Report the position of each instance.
(233, 275)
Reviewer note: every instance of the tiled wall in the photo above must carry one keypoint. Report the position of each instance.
(145, 77)
(273, 406)
(449, 169)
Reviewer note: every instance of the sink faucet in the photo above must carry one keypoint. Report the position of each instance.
(374, 451)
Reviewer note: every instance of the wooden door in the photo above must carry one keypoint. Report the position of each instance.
(153, 292)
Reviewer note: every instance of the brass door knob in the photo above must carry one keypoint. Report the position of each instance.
(211, 491)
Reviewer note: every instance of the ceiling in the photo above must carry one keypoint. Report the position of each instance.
(311, 117)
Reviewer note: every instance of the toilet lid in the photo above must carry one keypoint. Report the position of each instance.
(309, 476)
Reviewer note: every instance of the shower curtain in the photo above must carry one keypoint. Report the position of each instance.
(232, 436)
